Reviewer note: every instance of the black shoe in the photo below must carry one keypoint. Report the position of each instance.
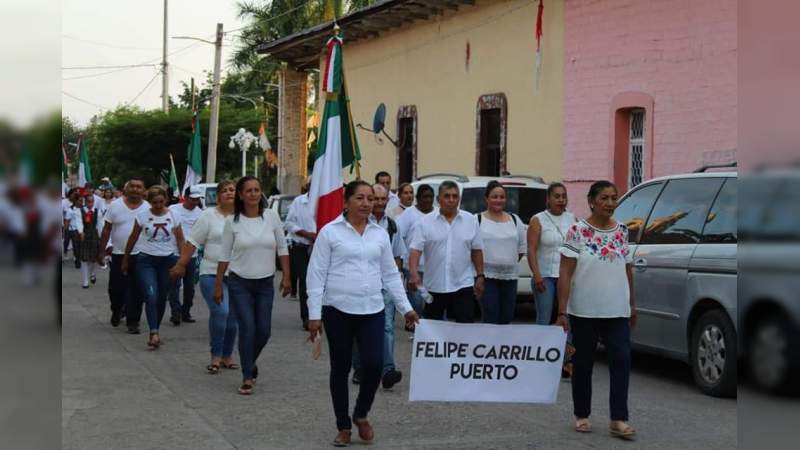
(93, 279)
(77, 264)
(85, 287)
(176, 320)
(254, 373)
(188, 319)
(133, 329)
(114, 320)
(356, 377)
(391, 378)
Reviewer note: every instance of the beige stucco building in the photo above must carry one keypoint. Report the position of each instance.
(458, 79)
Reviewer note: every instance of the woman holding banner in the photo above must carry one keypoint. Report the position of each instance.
(595, 301)
(350, 265)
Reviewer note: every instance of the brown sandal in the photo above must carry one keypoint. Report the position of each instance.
(246, 389)
(153, 342)
(583, 425)
(627, 432)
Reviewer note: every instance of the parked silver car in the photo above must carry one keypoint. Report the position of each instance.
(683, 235)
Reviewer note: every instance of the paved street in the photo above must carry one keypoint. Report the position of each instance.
(118, 395)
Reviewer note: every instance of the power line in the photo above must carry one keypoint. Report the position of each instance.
(96, 74)
(82, 100)
(104, 44)
(288, 11)
(145, 88)
(127, 66)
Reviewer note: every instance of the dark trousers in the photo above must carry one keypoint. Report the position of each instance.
(616, 336)
(251, 299)
(459, 306)
(367, 332)
(74, 237)
(498, 301)
(298, 258)
(176, 308)
(124, 291)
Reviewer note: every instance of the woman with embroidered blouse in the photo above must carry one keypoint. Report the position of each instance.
(595, 302)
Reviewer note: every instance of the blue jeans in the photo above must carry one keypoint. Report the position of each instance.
(545, 300)
(342, 329)
(153, 274)
(184, 310)
(616, 336)
(252, 305)
(414, 297)
(388, 338)
(498, 301)
(221, 320)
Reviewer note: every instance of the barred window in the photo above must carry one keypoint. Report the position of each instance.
(636, 143)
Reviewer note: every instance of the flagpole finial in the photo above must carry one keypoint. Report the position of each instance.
(336, 28)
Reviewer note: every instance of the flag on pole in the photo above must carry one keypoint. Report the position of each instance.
(337, 146)
(194, 157)
(173, 179)
(65, 165)
(263, 142)
(84, 168)
(539, 34)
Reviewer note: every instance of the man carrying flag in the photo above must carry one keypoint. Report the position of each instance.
(337, 146)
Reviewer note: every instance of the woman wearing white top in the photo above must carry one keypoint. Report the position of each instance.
(207, 234)
(351, 264)
(504, 244)
(405, 193)
(157, 254)
(595, 302)
(251, 239)
(546, 233)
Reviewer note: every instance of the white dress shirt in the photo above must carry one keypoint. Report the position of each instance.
(398, 246)
(448, 250)
(406, 224)
(394, 200)
(300, 218)
(349, 271)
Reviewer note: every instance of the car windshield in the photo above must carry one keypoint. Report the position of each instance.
(211, 196)
(522, 201)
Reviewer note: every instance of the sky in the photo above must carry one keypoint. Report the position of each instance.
(124, 32)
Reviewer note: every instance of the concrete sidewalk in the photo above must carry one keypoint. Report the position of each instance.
(118, 395)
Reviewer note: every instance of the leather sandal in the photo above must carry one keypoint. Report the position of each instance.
(583, 425)
(625, 432)
(365, 431)
(342, 439)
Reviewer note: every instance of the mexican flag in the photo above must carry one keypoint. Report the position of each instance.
(194, 158)
(84, 168)
(173, 178)
(337, 146)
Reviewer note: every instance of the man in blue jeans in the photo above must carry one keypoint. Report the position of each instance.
(391, 375)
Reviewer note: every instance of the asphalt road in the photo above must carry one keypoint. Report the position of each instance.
(118, 395)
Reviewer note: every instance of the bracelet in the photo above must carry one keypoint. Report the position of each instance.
(480, 275)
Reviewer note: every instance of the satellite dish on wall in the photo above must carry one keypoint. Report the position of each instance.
(379, 121)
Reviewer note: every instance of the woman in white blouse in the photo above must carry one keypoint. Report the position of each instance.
(504, 244)
(206, 234)
(546, 233)
(595, 302)
(351, 264)
(251, 239)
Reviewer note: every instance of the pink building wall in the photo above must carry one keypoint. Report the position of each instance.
(681, 55)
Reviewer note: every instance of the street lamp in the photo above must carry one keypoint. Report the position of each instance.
(244, 139)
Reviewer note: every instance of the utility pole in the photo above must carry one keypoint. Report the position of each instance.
(164, 72)
(211, 165)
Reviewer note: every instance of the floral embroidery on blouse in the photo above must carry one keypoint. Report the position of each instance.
(606, 246)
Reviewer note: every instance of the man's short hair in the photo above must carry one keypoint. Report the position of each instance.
(379, 187)
(447, 184)
(380, 174)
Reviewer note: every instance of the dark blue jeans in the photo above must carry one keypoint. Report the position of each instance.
(498, 301)
(252, 303)
(616, 336)
(153, 274)
(388, 337)
(176, 308)
(367, 331)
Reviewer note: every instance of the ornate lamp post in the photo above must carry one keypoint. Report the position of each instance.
(244, 139)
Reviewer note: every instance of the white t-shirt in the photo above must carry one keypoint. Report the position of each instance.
(186, 217)
(554, 229)
(207, 234)
(249, 244)
(121, 219)
(73, 216)
(600, 283)
(503, 242)
(158, 233)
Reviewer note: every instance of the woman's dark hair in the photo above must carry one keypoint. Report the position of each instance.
(238, 203)
(553, 186)
(351, 188)
(422, 189)
(597, 187)
(491, 186)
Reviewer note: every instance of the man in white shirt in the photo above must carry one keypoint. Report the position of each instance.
(186, 214)
(72, 219)
(406, 224)
(384, 179)
(302, 230)
(123, 289)
(450, 239)
(390, 375)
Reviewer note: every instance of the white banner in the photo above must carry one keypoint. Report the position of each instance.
(486, 363)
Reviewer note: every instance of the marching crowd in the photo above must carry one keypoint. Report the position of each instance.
(386, 252)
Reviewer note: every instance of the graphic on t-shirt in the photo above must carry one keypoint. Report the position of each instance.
(158, 232)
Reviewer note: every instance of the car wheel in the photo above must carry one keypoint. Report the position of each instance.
(713, 355)
(769, 359)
